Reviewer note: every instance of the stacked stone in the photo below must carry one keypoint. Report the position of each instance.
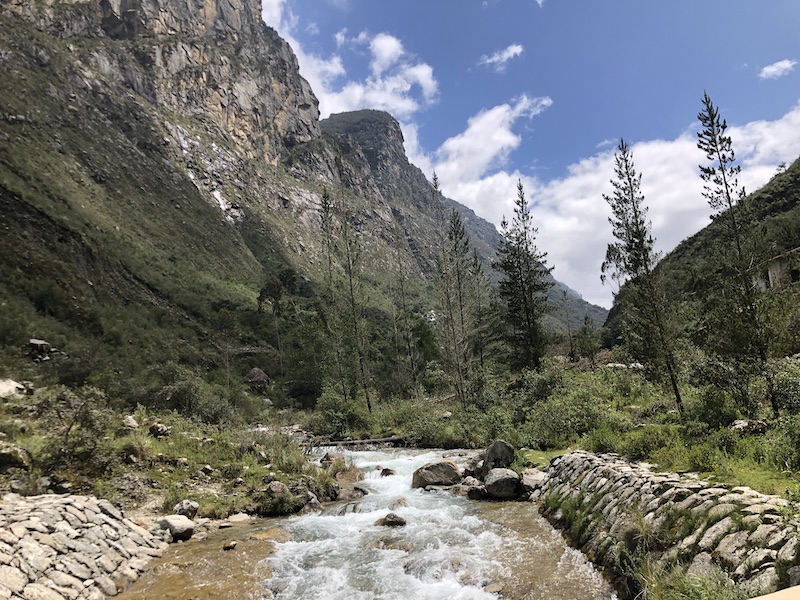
(69, 547)
(615, 505)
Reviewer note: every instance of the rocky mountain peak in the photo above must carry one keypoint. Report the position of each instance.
(375, 132)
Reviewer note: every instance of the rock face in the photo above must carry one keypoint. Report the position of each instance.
(439, 473)
(57, 547)
(613, 508)
(218, 60)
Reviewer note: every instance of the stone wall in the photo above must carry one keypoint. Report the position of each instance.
(69, 547)
(618, 512)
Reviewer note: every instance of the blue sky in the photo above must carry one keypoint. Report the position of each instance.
(489, 92)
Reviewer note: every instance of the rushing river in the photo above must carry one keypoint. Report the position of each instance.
(451, 548)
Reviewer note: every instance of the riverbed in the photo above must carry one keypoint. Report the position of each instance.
(450, 548)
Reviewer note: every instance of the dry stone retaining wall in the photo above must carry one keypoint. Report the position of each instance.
(69, 547)
(616, 511)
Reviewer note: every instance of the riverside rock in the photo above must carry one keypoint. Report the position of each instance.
(180, 526)
(444, 472)
(499, 455)
(69, 547)
(502, 484)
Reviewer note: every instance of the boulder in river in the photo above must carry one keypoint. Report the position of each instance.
(532, 480)
(502, 484)
(444, 472)
(391, 520)
(179, 526)
(499, 455)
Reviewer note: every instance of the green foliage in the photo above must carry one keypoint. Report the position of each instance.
(338, 416)
(643, 442)
(786, 382)
(712, 406)
(783, 447)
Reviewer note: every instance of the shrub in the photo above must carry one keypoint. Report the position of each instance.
(338, 417)
(783, 445)
(786, 384)
(641, 443)
(712, 406)
(561, 420)
(602, 439)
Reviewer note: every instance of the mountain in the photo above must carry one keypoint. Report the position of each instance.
(162, 165)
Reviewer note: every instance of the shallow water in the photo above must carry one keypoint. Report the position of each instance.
(451, 548)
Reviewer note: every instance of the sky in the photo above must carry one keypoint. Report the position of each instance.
(492, 92)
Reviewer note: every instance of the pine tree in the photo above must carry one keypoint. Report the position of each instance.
(633, 257)
(525, 281)
(736, 327)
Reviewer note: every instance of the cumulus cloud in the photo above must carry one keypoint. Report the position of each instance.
(398, 83)
(570, 212)
(386, 51)
(499, 60)
(777, 69)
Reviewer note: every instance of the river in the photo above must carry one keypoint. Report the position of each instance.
(450, 548)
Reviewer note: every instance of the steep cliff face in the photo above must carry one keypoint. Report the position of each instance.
(214, 59)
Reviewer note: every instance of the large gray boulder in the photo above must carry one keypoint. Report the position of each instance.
(502, 484)
(181, 527)
(13, 457)
(499, 455)
(439, 473)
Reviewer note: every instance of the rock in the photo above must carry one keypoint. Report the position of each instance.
(391, 520)
(187, 508)
(477, 492)
(749, 427)
(794, 576)
(159, 430)
(399, 503)
(439, 473)
(502, 484)
(312, 506)
(276, 488)
(350, 494)
(230, 545)
(129, 422)
(9, 387)
(13, 578)
(532, 480)
(13, 457)
(702, 567)
(499, 455)
(206, 469)
(179, 526)
(387, 472)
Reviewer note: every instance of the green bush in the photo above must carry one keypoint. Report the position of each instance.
(712, 406)
(602, 439)
(786, 384)
(643, 442)
(783, 444)
(561, 420)
(338, 417)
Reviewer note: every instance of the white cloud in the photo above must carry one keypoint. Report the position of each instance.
(570, 212)
(499, 60)
(386, 51)
(777, 69)
(398, 83)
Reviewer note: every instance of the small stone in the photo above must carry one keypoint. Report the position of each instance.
(231, 545)
(391, 520)
(187, 508)
(36, 591)
(179, 526)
